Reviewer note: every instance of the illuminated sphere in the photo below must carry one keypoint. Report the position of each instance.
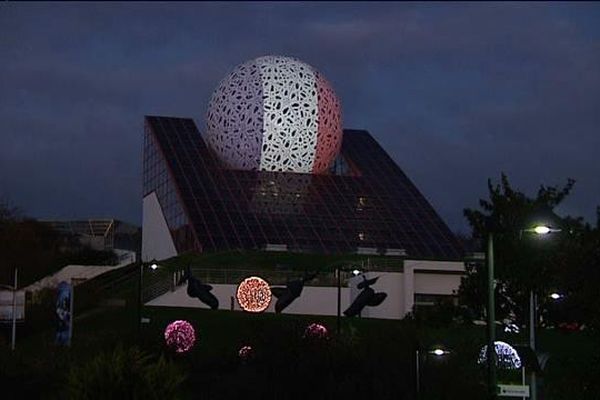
(254, 294)
(275, 113)
(246, 352)
(180, 336)
(316, 331)
(506, 356)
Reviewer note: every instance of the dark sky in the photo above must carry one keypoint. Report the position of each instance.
(456, 93)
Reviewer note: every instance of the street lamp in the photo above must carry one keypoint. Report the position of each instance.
(540, 230)
(153, 266)
(338, 271)
(491, 314)
(438, 352)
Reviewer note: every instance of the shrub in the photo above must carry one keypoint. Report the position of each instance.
(125, 373)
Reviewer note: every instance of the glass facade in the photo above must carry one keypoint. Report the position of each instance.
(158, 179)
(365, 201)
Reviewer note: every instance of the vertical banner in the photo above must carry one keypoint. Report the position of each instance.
(64, 299)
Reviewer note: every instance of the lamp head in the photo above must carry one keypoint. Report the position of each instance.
(542, 229)
(438, 352)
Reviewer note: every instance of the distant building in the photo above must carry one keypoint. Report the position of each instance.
(99, 234)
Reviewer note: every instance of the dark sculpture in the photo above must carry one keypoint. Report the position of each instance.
(197, 289)
(286, 295)
(367, 297)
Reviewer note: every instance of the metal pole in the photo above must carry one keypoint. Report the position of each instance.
(339, 300)
(14, 312)
(418, 369)
(71, 316)
(532, 323)
(491, 348)
(523, 379)
(140, 300)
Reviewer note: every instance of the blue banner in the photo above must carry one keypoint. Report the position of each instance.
(63, 314)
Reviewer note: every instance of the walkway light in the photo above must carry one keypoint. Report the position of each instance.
(556, 296)
(439, 352)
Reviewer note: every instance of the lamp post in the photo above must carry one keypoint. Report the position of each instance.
(338, 271)
(539, 230)
(438, 352)
(491, 320)
(153, 266)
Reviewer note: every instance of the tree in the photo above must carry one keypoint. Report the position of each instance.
(523, 262)
(37, 250)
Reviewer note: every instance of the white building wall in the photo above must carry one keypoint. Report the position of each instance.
(399, 287)
(390, 283)
(157, 242)
(315, 300)
(436, 284)
(427, 281)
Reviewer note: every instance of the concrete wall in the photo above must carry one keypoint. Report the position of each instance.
(157, 242)
(436, 284)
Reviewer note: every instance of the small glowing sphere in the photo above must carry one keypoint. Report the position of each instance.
(254, 294)
(180, 336)
(555, 296)
(316, 331)
(356, 272)
(506, 356)
(153, 266)
(246, 352)
(541, 230)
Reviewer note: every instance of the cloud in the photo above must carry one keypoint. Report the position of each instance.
(456, 93)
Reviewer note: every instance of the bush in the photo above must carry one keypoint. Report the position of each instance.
(125, 374)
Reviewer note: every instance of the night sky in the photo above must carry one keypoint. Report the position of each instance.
(456, 93)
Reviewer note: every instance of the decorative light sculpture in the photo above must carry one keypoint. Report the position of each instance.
(293, 290)
(180, 336)
(246, 352)
(367, 297)
(254, 294)
(316, 331)
(275, 113)
(506, 356)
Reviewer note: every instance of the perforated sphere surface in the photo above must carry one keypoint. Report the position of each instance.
(180, 336)
(506, 356)
(254, 294)
(275, 113)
